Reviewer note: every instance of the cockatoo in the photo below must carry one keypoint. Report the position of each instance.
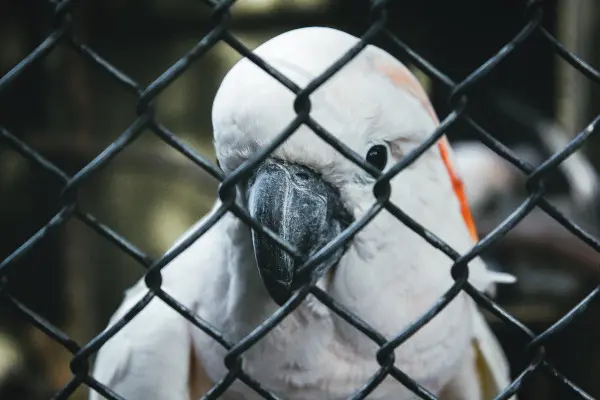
(308, 193)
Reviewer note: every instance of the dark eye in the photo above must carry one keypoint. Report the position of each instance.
(377, 156)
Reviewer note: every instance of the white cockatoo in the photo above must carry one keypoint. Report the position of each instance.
(307, 193)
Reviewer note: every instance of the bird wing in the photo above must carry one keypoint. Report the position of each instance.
(489, 359)
(491, 363)
(152, 357)
(485, 370)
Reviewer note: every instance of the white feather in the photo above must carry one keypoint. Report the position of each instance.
(149, 358)
(388, 277)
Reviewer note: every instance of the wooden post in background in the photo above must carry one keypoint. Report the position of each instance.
(577, 30)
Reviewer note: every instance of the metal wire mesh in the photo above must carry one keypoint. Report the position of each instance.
(146, 122)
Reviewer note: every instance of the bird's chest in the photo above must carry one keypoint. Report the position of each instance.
(296, 360)
(305, 357)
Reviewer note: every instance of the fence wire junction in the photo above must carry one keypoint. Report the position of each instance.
(146, 122)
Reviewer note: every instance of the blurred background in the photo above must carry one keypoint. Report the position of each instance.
(69, 111)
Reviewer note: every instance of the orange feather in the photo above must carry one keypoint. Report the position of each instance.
(404, 79)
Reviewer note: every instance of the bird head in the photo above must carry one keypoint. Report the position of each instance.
(306, 191)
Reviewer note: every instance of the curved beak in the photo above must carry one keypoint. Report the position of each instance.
(302, 209)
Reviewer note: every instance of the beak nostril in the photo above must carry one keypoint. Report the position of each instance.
(303, 175)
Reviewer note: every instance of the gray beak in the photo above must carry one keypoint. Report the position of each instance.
(302, 209)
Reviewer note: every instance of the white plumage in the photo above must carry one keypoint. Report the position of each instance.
(388, 276)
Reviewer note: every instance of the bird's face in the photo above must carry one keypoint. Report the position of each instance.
(306, 191)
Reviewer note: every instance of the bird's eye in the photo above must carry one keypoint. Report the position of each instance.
(377, 156)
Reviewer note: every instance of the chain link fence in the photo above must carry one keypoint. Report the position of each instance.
(147, 124)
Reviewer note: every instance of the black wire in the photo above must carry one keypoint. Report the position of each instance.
(146, 122)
